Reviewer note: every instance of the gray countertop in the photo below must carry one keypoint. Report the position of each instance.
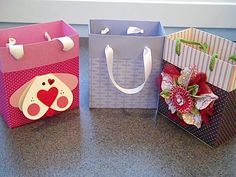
(108, 142)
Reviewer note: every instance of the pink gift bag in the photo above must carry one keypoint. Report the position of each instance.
(39, 72)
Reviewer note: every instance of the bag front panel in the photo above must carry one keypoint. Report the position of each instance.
(14, 80)
(128, 73)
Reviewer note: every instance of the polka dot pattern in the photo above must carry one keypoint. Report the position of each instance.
(10, 82)
(222, 125)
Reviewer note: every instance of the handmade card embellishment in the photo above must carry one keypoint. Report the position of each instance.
(45, 94)
(187, 94)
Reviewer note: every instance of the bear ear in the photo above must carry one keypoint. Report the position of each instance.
(69, 79)
(15, 97)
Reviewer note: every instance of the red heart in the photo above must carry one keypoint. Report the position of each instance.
(47, 97)
(51, 81)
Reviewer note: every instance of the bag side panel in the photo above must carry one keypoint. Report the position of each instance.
(3, 99)
(227, 129)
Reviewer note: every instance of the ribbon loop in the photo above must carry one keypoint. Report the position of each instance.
(134, 30)
(17, 51)
(66, 41)
(130, 30)
(147, 59)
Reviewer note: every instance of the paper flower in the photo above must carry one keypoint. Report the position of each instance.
(187, 94)
(181, 99)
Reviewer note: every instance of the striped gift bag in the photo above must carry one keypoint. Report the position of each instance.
(215, 57)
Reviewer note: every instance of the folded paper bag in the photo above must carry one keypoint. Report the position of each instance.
(125, 57)
(209, 92)
(42, 61)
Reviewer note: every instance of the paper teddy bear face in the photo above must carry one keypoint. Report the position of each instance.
(44, 95)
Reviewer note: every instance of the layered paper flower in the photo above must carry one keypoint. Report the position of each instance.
(187, 94)
(181, 99)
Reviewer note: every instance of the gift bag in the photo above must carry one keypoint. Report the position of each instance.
(125, 57)
(198, 85)
(38, 72)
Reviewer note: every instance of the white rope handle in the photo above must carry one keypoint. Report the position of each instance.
(147, 60)
(17, 51)
(66, 41)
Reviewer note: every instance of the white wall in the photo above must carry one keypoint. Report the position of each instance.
(211, 15)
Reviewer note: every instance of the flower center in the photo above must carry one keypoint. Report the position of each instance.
(179, 100)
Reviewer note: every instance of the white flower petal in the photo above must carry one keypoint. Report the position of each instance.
(171, 106)
(205, 100)
(185, 77)
(197, 121)
(167, 81)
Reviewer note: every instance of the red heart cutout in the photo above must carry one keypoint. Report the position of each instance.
(48, 97)
(51, 81)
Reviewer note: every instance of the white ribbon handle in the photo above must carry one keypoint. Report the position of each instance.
(147, 60)
(66, 41)
(17, 51)
(105, 31)
(134, 30)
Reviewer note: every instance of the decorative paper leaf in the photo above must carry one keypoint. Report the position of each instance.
(193, 89)
(233, 57)
(197, 117)
(165, 94)
(213, 61)
(167, 81)
(195, 111)
(188, 118)
(205, 100)
(192, 119)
